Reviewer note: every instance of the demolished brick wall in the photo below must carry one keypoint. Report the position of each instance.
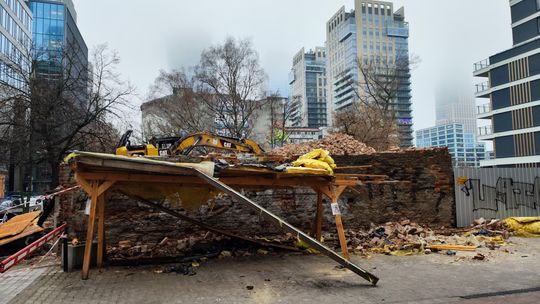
(423, 193)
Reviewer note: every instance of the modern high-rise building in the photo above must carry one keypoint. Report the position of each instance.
(308, 86)
(512, 92)
(15, 45)
(463, 147)
(58, 41)
(373, 32)
(15, 41)
(456, 104)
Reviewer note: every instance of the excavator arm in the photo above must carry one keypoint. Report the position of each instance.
(186, 144)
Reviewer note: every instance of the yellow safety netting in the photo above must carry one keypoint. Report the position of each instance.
(316, 159)
(524, 226)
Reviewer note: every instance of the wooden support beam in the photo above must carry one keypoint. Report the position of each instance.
(84, 183)
(333, 193)
(90, 230)
(250, 181)
(101, 230)
(105, 186)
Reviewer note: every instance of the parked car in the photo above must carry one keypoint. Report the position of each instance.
(15, 204)
(10, 201)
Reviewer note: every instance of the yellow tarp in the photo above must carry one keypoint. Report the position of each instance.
(524, 226)
(316, 159)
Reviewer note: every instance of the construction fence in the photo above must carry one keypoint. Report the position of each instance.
(496, 193)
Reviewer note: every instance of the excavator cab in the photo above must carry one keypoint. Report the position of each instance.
(125, 148)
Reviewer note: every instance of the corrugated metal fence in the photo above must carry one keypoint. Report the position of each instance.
(496, 193)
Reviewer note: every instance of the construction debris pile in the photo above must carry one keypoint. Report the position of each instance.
(407, 238)
(197, 246)
(393, 238)
(336, 144)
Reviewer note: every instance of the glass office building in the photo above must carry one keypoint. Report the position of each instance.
(463, 148)
(15, 42)
(512, 92)
(373, 32)
(57, 39)
(308, 82)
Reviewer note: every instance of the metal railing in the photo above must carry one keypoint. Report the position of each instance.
(481, 65)
(482, 109)
(482, 87)
(485, 130)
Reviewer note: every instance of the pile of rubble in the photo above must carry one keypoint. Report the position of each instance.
(336, 144)
(393, 238)
(406, 238)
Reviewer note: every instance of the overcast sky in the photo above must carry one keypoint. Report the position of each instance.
(448, 36)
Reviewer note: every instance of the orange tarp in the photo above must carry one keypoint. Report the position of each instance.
(18, 224)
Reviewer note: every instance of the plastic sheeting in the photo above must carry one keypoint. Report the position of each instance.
(316, 159)
(524, 226)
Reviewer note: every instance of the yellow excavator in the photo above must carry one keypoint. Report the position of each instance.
(183, 145)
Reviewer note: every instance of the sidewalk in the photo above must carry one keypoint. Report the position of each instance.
(434, 278)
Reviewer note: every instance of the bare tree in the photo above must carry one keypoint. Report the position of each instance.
(176, 106)
(70, 109)
(369, 124)
(231, 80)
(372, 117)
(380, 80)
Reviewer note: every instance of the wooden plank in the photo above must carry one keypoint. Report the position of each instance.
(26, 232)
(131, 165)
(358, 175)
(101, 230)
(352, 167)
(289, 228)
(90, 232)
(231, 181)
(452, 247)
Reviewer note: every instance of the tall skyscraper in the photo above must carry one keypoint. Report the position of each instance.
(375, 33)
(308, 85)
(57, 39)
(512, 92)
(15, 44)
(15, 41)
(454, 104)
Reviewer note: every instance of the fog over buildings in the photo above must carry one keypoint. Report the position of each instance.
(447, 36)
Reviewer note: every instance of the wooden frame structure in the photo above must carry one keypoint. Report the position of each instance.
(98, 173)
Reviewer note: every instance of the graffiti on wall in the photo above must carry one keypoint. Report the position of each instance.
(508, 192)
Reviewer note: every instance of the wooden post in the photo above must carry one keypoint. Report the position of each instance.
(342, 239)
(101, 229)
(333, 193)
(90, 230)
(317, 227)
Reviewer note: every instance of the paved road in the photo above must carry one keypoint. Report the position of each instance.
(436, 278)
